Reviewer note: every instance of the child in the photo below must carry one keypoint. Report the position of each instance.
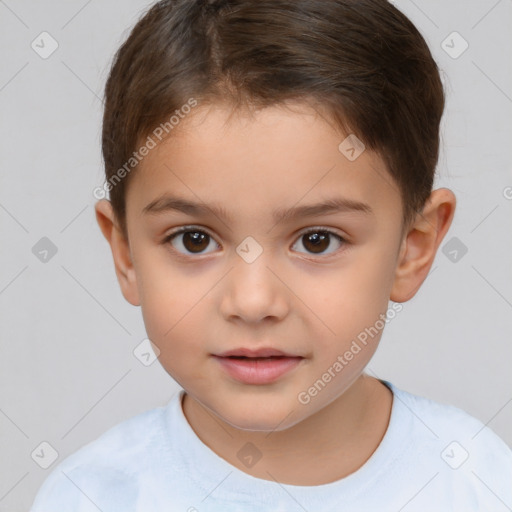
(270, 167)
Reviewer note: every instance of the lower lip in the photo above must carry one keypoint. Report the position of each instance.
(258, 371)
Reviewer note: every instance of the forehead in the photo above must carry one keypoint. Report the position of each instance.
(250, 164)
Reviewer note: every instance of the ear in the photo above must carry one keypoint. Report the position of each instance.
(120, 251)
(421, 242)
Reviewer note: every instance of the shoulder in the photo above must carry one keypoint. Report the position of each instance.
(464, 453)
(447, 421)
(108, 467)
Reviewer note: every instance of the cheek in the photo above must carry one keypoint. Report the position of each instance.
(168, 302)
(355, 295)
(350, 303)
(174, 324)
(173, 305)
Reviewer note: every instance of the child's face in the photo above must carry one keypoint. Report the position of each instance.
(202, 295)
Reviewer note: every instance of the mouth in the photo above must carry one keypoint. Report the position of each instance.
(256, 358)
(257, 367)
(261, 353)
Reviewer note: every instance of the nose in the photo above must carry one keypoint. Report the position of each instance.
(254, 292)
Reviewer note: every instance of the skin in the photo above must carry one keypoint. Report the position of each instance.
(290, 298)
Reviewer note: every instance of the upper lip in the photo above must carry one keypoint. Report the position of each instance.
(261, 352)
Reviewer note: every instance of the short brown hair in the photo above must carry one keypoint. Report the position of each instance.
(362, 61)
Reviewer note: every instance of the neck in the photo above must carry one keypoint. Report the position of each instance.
(327, 446)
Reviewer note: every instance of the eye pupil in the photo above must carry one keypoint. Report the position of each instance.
(195, 241)
(319, 241)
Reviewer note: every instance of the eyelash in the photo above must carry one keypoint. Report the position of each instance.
(316, 229)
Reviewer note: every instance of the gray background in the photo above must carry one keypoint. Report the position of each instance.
(67, 368)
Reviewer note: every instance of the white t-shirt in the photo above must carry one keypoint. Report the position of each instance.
(433, 457)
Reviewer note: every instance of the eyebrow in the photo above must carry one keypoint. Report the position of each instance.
(168, 203)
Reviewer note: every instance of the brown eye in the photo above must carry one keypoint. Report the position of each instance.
(316, 242)
(319, 241)
(195, 241)
(190, 241)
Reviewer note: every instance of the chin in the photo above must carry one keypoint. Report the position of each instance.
(254, 424)
(258, 418)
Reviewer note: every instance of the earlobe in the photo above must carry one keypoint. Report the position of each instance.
(121, 254)
(420, 244)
